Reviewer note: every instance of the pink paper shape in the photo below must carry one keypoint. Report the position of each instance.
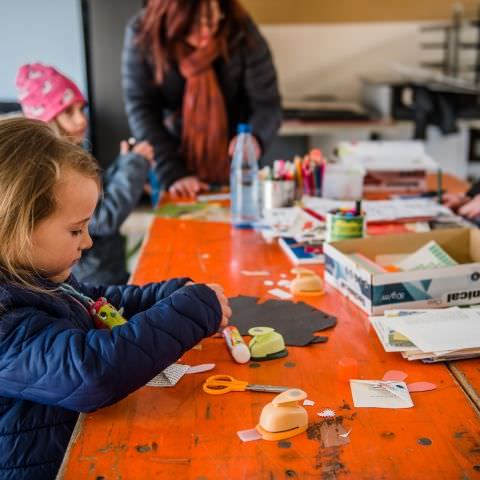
(394, 376)
(421, 387)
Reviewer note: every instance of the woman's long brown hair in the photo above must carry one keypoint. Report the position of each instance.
(166, 23)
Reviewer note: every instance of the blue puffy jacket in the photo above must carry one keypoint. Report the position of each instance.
(54, 363)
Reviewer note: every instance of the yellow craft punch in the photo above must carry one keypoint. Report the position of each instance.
(266, 344)
(307, 282)
(283, 417)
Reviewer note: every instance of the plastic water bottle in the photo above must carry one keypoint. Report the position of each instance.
(244, 183)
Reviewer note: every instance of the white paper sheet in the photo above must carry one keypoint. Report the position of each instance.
(442, 329)
(431, 255)
(378, 394)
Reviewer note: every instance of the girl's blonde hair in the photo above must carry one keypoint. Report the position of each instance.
(57, 128)
(31, 159)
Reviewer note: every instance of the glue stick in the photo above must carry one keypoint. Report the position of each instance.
(238, 348)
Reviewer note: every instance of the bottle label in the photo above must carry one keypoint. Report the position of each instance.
(232, 336)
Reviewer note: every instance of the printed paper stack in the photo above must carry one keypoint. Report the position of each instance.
(432, 335)
(381, 211)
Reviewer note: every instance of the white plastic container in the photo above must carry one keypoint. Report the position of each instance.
(343, 181)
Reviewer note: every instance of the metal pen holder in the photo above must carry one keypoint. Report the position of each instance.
(277, 193)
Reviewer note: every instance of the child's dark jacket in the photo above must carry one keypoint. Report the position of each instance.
(54, 363)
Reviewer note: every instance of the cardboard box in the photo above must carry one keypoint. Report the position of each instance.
(439, 287)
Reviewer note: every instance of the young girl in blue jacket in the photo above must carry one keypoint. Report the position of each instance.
(55, 361)
(48, 95)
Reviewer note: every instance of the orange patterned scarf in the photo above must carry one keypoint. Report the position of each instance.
(205, 124)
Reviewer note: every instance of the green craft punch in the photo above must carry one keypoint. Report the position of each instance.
(266, 344)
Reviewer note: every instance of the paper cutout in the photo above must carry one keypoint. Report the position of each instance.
(308, 403)
(269, 283)
(278, 292)
(284, 283)
(327, 413)
(421, 387)
(204, 367)
(283, 275)
(296, 322)
(169, 377)
(254, 273)
(249, 435)
(380, 394)
(395, 376)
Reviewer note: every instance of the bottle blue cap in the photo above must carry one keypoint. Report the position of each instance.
(243, 128)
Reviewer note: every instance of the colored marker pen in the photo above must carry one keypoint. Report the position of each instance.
(152, 178)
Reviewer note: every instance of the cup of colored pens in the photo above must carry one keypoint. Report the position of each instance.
(278, 185)
(310, 172)
(345, 223)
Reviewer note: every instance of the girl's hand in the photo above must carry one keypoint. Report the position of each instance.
(187, 187)
(226, 310)
(143, 149)
(471, 209)
(256, 146)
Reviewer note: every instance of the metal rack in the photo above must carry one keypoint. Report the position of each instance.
(453, 46)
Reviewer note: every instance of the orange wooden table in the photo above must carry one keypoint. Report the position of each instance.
(183, 433)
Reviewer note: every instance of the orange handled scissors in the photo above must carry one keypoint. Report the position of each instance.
(219, 384)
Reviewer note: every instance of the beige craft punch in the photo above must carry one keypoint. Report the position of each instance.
(307, 282)
(283, 417)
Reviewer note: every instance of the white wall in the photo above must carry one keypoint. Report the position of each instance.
(49, 31)
(331, 58)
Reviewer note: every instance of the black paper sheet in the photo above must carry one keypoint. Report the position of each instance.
(296, 322)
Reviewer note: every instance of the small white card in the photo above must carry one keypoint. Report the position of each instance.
(379, 394)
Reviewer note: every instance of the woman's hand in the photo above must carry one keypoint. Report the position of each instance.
(471, 209)
(226, 310)
(187, 187)
(256, 146)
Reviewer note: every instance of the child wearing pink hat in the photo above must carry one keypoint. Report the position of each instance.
(48, 95)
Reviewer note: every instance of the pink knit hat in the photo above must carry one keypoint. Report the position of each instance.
(44, 92)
